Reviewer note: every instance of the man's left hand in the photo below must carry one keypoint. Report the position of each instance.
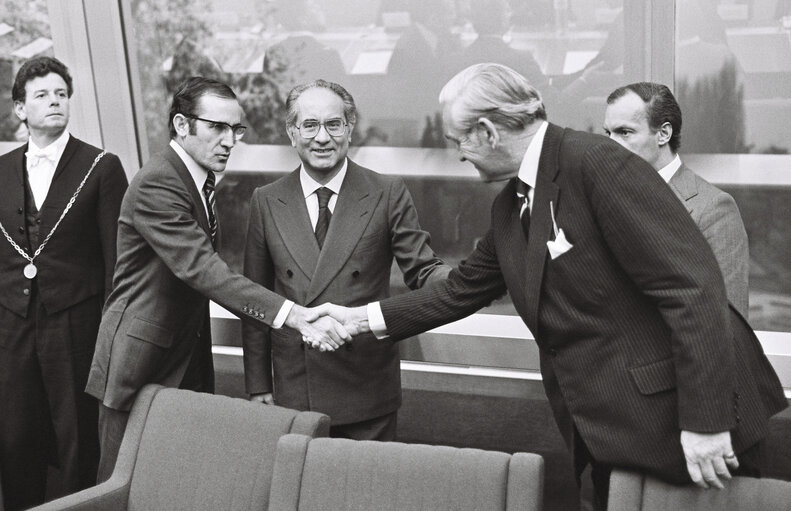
(709, 456)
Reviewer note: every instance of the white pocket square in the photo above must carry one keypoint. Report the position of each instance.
(560, 246)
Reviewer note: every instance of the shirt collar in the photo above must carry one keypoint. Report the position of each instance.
(310, 185)
(198, 173)
(53, 151)
(670, 169)
(528, 170)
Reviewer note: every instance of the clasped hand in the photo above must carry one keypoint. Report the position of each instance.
(328, 327)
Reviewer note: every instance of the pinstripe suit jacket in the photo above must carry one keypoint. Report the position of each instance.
(717, 216)
(635, 334)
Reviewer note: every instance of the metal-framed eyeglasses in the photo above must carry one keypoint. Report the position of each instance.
(310, 127)
(220, 128)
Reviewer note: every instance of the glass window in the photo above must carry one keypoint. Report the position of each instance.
(24, 33)
(733, 70)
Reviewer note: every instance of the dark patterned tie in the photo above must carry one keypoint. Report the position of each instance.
(211, 205)
(522, 190)
(323, 223)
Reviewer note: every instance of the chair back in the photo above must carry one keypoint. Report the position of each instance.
(340, 474)
(632, 491)
(201, 451)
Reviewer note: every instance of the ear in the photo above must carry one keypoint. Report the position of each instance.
(350, 127)
(663, 134)
(181, 124)
(488, 131)
(291, 131)
(19, 110)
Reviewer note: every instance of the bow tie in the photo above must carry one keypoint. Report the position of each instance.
(35, 157)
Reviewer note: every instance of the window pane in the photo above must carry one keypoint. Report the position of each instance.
(24, 33)
(733, 70)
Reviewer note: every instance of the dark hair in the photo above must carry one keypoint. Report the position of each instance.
(660, 107)
(189, 92)
(38, 67)
(349, 108)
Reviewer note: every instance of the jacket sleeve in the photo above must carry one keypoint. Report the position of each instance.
(164, 215)
(411, 244)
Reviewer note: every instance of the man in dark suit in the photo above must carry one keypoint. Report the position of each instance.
(50, 307)
(646, 119)
(644, 364)
(294, 249)
(155, 326)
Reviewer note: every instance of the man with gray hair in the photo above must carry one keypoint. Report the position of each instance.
(645, 118)
(329, 232)
(644, 364)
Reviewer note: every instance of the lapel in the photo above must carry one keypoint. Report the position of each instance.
(68, 153)
(59, 193)
(19, 162)
(541, 222)
(353, 210)
(181, 169)
(684, 186)
(290, 216)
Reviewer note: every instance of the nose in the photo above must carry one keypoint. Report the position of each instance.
(228, 140)
(322, 135)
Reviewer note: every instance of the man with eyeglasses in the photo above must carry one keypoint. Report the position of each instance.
(329, 231)
(155, 327)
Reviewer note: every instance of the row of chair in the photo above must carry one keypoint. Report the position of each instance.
(188, 451)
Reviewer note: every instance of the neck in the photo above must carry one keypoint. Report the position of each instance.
(44, 138)
(324, 177)
(664, 158)
(517, 142)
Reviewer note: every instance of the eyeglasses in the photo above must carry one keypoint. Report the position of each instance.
(310, 128)
(221, 127)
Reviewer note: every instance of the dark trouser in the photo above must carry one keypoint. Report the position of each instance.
(379, 428)
(47, 419)
(112, 425)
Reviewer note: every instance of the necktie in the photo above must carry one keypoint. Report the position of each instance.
(522, 190)
(211, 205)
(323, 223)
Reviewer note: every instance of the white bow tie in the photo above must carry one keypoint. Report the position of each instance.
(35, 157)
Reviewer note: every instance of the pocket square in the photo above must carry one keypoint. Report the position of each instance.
(559, 246)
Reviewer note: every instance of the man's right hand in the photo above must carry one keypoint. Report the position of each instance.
(317, 329)
(353, 319)
(265, 398)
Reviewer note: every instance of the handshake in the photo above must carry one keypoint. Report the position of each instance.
(328, 326)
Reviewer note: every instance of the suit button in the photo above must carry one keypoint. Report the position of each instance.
(244, 309)
(197, 334)
(355, 274)
(38, 220)
(26, 292)
(19, 210)
(289, 273)
(21, 230)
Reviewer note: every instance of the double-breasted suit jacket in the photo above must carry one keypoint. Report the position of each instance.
(717, 216)
(156, 321)
(374, 221)
(635, 334)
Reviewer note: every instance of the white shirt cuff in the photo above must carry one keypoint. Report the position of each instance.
(376, 321)
(285, 309)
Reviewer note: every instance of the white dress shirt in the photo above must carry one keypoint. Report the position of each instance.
(669, 170)
(309, 187)
(528, 170)
(41, 164)
(199, 175)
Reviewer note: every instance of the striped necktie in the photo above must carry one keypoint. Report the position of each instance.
(522, 190)
(211, 205)
(323, 223)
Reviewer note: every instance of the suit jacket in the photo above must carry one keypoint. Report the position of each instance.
(156, 320)
(374, 221)
(635, 334)
(717, 216)
(77, 262)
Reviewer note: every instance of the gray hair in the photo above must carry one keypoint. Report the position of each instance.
(495, 92)
(349, 108)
